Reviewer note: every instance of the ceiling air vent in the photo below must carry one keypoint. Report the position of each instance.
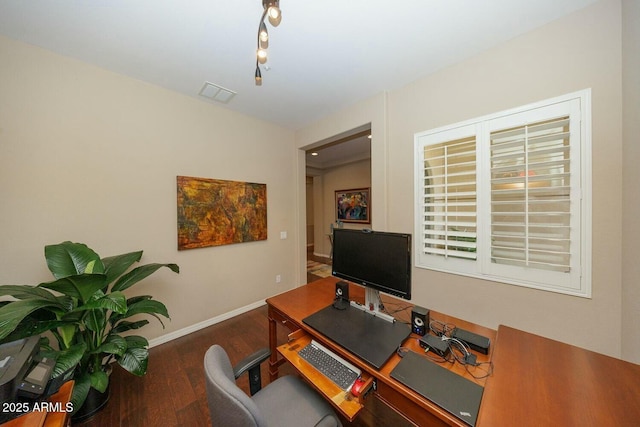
(217, 93)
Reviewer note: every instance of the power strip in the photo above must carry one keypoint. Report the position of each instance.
(435, 344)
(476, 342)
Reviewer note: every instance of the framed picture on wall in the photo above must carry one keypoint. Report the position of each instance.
(214, 212)
(354, 205)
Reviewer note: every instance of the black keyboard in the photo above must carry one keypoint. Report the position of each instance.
(338, 370)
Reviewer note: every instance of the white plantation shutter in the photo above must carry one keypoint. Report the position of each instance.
(507, 197)
(450, 199)
(448, 196)
(530, 196)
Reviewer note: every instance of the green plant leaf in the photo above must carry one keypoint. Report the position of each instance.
(116, 317)
(118, 264)
(136, 341)
(30, 327)
(134, 299)
(136, 357)
(114, 344)
(147, 307)
(125, 325)
(13, 313)
(70, 259)
(68, 359)
(26, 292)
(139, 273)
(115, 301)
(68, 333)
(81, 286)
(95, 321)
(143, 305)
(80, 390)
(99, 380)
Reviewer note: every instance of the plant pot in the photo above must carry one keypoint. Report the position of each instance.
(92, 405)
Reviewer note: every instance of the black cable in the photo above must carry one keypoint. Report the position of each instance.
(487, 373)
(441, 328)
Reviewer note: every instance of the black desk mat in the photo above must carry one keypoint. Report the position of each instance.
(370, 338)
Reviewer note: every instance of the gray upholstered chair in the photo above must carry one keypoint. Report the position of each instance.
(288, 401)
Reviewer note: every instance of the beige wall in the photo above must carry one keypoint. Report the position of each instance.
(352, 175)
(576, 52)
(631, 178)
(92, 156)
(370, 114)
(309, 207)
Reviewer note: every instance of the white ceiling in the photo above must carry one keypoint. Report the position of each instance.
(347, 150)
(324, 55)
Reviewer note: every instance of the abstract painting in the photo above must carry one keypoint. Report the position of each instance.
(213, 212)
(353, 205)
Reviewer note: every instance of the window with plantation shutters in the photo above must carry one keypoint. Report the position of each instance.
(507, 197)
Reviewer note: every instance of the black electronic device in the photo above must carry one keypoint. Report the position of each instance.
(341, 300)
(435, 344)
(454, 393)
(476, 342)
(16, 358)
(34, 384)
(56, 382)
(419, 320)
(377, 260)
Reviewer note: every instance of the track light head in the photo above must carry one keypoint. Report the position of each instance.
(262, 55)
(275, 15)
(263, 36)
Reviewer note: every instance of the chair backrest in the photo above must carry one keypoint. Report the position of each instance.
(228, 404)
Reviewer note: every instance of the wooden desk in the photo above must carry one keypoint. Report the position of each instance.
(541, 382)
(536, 381)
(47, 418)
(288, 309)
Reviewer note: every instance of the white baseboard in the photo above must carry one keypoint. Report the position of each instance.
(321, 255)
(201, 325)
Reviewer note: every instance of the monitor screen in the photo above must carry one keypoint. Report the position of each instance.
(379, 260)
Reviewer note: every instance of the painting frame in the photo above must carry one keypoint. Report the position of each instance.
(214, 212)
(353, 205)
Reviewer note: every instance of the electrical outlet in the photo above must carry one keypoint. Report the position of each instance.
(278, 278)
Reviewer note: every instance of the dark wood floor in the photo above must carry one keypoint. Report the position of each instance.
(172, 393)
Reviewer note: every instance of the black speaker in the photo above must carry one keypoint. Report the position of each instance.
(419, 320)
(341, 300)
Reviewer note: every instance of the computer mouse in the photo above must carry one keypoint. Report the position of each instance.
(357, 387)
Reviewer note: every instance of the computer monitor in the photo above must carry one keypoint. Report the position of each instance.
(380, 261)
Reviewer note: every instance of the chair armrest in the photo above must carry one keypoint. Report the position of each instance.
(251, 361)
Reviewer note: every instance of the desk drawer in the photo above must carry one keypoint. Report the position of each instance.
(412, 411)
(282, 319)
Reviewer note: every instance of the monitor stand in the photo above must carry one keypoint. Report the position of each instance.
(373, 305)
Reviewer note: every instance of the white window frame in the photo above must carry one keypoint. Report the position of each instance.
(578, 281)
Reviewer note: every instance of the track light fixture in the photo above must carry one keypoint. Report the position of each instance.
(272, 11)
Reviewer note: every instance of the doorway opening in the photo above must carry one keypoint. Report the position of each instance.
(340, 163)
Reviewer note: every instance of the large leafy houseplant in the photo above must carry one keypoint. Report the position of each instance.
(87, 312)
